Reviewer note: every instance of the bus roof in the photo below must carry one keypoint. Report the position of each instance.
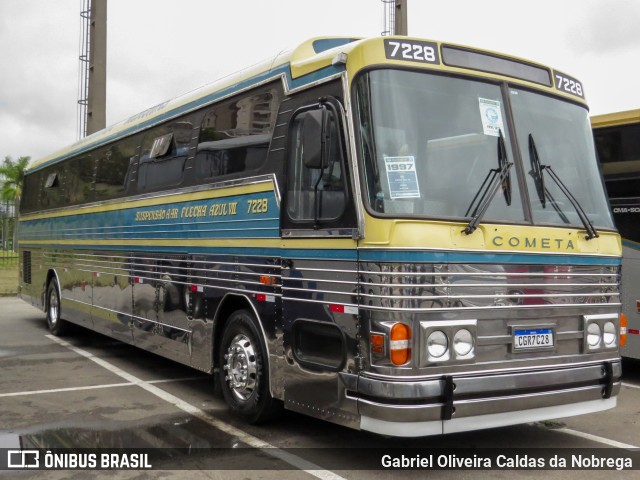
(615, 119)
(315, 60)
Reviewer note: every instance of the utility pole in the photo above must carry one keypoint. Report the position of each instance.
(395, 17)
(93, 68)
(401, 18)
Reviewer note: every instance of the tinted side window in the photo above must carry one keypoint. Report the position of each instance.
(113, 167)
(60, 185)
(53, 194)
(77, 180)
(31, 192)
(619, 153)
(234, 136)
(164, 155)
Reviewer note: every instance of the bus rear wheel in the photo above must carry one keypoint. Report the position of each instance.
(244, 372)
(56, 325)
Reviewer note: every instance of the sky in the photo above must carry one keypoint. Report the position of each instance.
(159, 49)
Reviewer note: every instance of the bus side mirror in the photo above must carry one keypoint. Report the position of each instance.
(314, 139)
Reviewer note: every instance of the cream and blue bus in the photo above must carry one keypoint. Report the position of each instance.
(617, 137)
(397, 235)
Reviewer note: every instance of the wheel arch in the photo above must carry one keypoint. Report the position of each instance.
(230, 303)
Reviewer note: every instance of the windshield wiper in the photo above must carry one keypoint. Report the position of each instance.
(538, 178)
(538, 171)
(496, 178)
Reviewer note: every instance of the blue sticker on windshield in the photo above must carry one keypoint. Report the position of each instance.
(402, 177)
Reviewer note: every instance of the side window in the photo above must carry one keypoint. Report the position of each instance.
(164, 155)
(112, 169)
(618, 149)
(31, 192)
(234, 136)
(53, 193)
(77, 180)
(316, 190)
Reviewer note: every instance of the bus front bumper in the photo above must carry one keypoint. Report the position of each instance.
(456, 403)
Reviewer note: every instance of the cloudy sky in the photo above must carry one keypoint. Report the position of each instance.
(158, 49)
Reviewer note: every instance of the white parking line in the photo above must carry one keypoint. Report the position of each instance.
(255, 442)
(92, 387)
(596, 438)
(630, 385)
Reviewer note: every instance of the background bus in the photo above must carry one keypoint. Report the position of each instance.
(393, 234)
(617, 137)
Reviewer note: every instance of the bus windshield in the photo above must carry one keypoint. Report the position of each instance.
(432, 144)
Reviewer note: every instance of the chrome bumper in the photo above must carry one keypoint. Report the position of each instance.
(455, 403)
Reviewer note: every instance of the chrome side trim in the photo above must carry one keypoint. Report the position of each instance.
(474, 250)
(486, 307)
(492, 296)
(322, 302)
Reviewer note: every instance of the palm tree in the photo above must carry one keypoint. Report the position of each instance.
(11, 176)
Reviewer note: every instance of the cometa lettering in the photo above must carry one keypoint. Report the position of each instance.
(533, 243)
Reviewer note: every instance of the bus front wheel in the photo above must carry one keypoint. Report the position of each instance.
(244, 372)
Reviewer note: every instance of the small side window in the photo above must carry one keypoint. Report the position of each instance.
(52, 180)
(161, 145)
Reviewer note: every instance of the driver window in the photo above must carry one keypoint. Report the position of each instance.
(305, 184)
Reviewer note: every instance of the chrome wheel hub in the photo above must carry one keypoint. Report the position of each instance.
(240, 367)
(54, 308)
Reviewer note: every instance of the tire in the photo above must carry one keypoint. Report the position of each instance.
(244, 371)
(57, 326)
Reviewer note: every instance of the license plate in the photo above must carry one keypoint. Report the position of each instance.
(538, 338)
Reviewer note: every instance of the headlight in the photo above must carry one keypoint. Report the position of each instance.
(609, 336)
(437, 344)
(463, 342)
(593, 335)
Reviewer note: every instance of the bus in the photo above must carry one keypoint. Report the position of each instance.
(394, 234)
(617, 137)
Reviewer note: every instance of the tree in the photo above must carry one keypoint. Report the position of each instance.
(11, 176)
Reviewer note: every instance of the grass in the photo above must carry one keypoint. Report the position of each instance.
(8, 276)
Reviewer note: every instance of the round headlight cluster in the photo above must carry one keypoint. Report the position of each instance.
(441, 347)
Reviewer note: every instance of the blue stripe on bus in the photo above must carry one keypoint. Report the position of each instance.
(320, 254)
(471, 257)
(225, 217)
(630, 244)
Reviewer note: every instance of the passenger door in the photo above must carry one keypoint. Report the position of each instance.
(319, 260)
